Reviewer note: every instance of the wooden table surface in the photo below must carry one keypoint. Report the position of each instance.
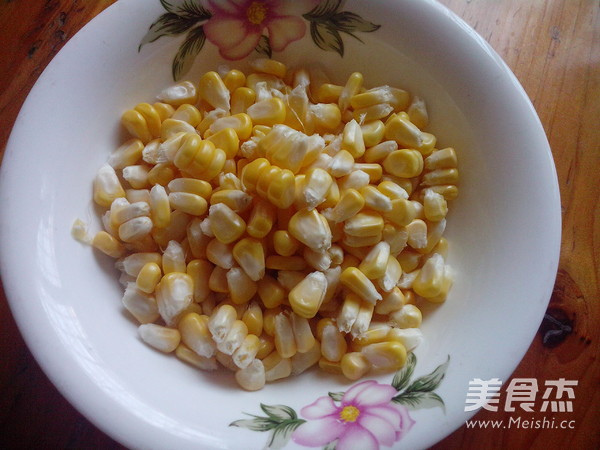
(553, 47)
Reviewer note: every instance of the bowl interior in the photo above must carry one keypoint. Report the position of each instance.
(66, 298)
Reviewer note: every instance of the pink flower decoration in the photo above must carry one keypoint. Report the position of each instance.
(365, 419)
(237, 25)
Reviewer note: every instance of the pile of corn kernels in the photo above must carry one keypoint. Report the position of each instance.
(275, 221)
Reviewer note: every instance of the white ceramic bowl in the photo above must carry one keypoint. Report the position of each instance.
(504, 229)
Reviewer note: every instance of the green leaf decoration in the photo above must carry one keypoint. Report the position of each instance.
(167, 24)
(189, 49)
(255, 424)
(428, 383)
(279, 413)
(188, 9)
(324, 9)
(326, 37)
(331, 446)
(349, 22)
(415, 400)
(403, 376)
(281, 434)
(264, 46)
(336, 396)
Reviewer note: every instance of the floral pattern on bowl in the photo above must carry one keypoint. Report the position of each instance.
(368, 415)
(239, 27)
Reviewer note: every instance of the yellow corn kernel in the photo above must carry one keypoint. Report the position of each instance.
(107, 186)
(227, 140)
(435, 206)
(417, 234)
(311, 228)
(217, 281)
(385, 356)
(241, 287)
(356, 242)
(133, 263)
(342, 164)
(184, 353)
(403, 131)
(108, 244)
(161, 174)
(409, 316)
(373, 112)
(127, 154)
(235, 337)
(200, 270)
(269, 66)
(195, 334)
(252, 377)
(164, 110)
(212, 90)
(250, 255)
(317, 260)
(372, 133)
(161, 338)
(392, 301)
(305, 360)
(431, 279)
(378, 153)
(135, 229)
(270, 292)
(178, 94)
(253, 318)
(366, 223)
(241, 99)
(151, 117)
(188, 113)
(269, 320)
(241, 124)
(332, 367)
(303, 335)
(246, 352)
(191, 185)
(333, 344)
(450, 192)
(174, 293)
(188, 203)
(329, 93)
(441, 159)
(417, 113)
(236, 199)
(285, 344)
(402, 213)
(173, 258)
(351, 88)
(404, 163)
(281, 190)
(326, 116)
(375, 199)
(375, 263)
(221, 321)
(352, 139)
(261, 219)
(220, 254)
(170, 128)
(277, 367)
(357, 282)
(266, 345)
(392, 190)
(351, 202)
(308, 295)
(135, 124)
(354, 365)
(375, 171)
(267, 112)
(226, 224)
(439, 177)
(316, 185)
(363, 319)
(332, 198)
(234, 79)
(284, 243)
(136, 176)
(290, 149)
(428, 142)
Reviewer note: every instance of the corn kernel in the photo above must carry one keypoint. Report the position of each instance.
(308, 295)
(387, 356)
(241, 287)
(357, 282)
(310, 228)
(107, 186)
(212, 90)
(108, 244)
(250, 255)
(226, 224)
(178, 94)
